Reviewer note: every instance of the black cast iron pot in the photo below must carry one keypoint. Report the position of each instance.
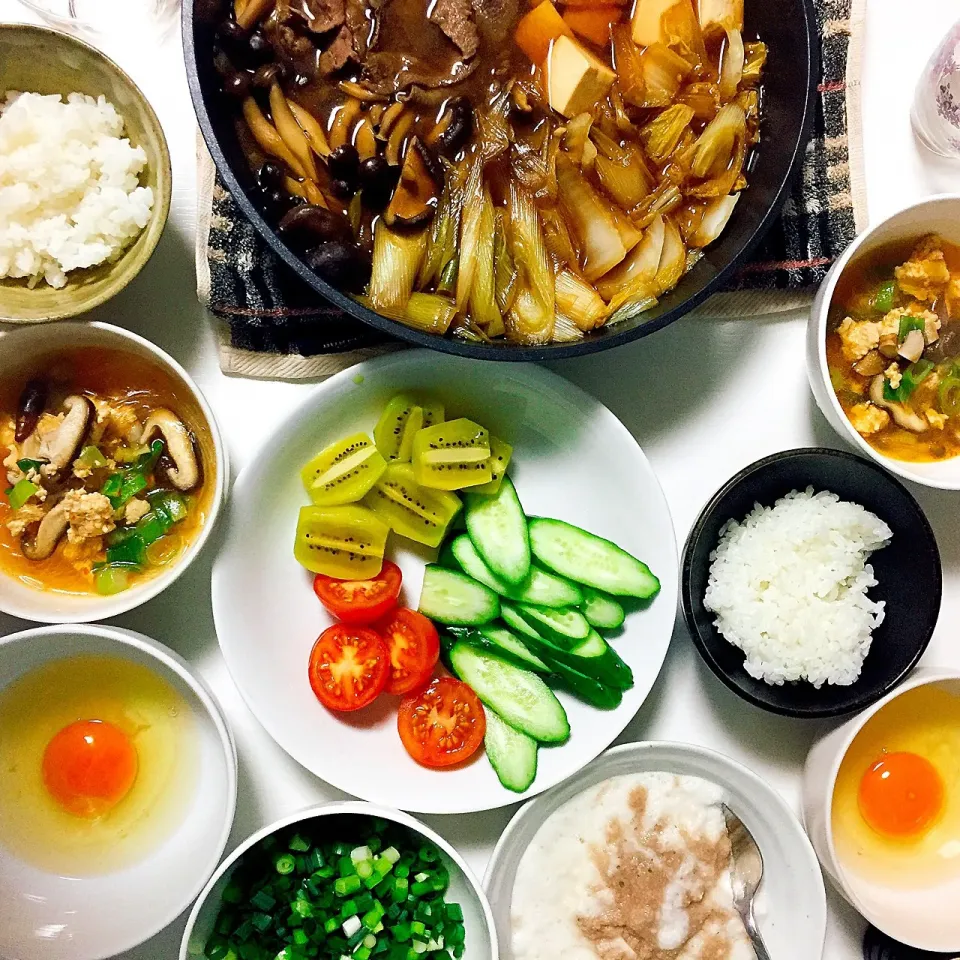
(788, 27)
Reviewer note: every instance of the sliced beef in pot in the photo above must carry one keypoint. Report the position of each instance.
(364, 26)
(455, 19)
(386, 73)
(337, 54)
(317, 16)
(495, 18)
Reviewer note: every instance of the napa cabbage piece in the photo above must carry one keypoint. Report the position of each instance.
(590, 218)
(640, 268)
(716, 216)
(663, 133)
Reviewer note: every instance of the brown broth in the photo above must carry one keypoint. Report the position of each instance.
(121, 379)
(852, 298)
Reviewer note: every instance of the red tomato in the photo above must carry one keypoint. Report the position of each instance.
(349, 667)
(360, 601)
(414, 649)
(442, 724)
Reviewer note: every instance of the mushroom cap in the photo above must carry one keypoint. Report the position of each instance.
(179, 443)
(49, 533)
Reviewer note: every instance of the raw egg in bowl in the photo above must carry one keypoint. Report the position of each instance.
(117, 790)
(882, 806)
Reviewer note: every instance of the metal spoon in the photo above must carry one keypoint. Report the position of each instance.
(746, 872)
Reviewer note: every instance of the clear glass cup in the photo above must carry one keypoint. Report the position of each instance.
(935, 115)
(91, 19)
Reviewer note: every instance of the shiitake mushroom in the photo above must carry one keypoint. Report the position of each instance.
(414, 201)
(237, 85)
(342, 264)
(344, 165)
(308, 226)
(270, 176)
(378, 178)
(458, 129)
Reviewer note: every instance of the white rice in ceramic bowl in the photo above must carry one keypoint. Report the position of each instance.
(70, 194)
(789, 587)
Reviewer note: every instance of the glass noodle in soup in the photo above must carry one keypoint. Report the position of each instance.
(893, 348)
(110, 471)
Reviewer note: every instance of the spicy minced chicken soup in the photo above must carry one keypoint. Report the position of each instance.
(893, 348)
(110, 471)
(496, 169)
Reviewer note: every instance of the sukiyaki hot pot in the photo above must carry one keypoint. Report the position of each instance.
(499, 179)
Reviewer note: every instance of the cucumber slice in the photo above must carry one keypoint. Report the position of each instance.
(521, 698)
(512, 754)
(446, 558)
(449, 596)
(589, 689)
(498, 529)
(581, 556)
(513, 619)
(601, 611)
(506, 644)
(564, 627)
(540, 587)
(593, 657)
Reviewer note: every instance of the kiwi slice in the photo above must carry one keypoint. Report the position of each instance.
(500, 453)
(346, 542)
(402, 417)
(344, 471)
(452, 455)
(410, 509)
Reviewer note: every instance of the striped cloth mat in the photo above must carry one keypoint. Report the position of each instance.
(272, 325)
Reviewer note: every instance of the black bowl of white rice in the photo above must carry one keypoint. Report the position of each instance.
(811, 583)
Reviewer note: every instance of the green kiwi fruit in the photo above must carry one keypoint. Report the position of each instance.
(408, 508)
(452, 455)
(402, 417)
(346, 542)
(500, 453)
(344, 471)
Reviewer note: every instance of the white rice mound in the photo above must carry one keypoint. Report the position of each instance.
(789, 588)
(70, 195)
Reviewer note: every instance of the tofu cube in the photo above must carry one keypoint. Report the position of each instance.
(718, 16)
(646, 23)
(576, 79)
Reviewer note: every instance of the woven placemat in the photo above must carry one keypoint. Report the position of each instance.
(270, 324)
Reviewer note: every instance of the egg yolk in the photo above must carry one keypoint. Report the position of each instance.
(901, 794)
(89, 767)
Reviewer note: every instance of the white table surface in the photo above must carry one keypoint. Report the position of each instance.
(703, 399)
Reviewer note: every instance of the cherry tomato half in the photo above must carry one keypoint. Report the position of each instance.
(442, 724)
(349, 667)
(360, 601)
(414, 649)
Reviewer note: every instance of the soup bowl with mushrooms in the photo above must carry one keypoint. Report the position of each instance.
(883, 343)
(506, 180)
(114, 472)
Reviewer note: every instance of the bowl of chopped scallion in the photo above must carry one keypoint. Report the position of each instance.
(344, 880)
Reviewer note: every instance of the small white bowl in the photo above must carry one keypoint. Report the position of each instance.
(920, 918)
(19, 350)
(940, 215)
(791, 903)
(44, 916)
(465, 889)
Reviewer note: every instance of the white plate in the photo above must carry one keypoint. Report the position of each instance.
(572, 459)
(791, 905)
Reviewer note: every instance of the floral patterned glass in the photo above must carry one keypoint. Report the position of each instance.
(936, 107)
